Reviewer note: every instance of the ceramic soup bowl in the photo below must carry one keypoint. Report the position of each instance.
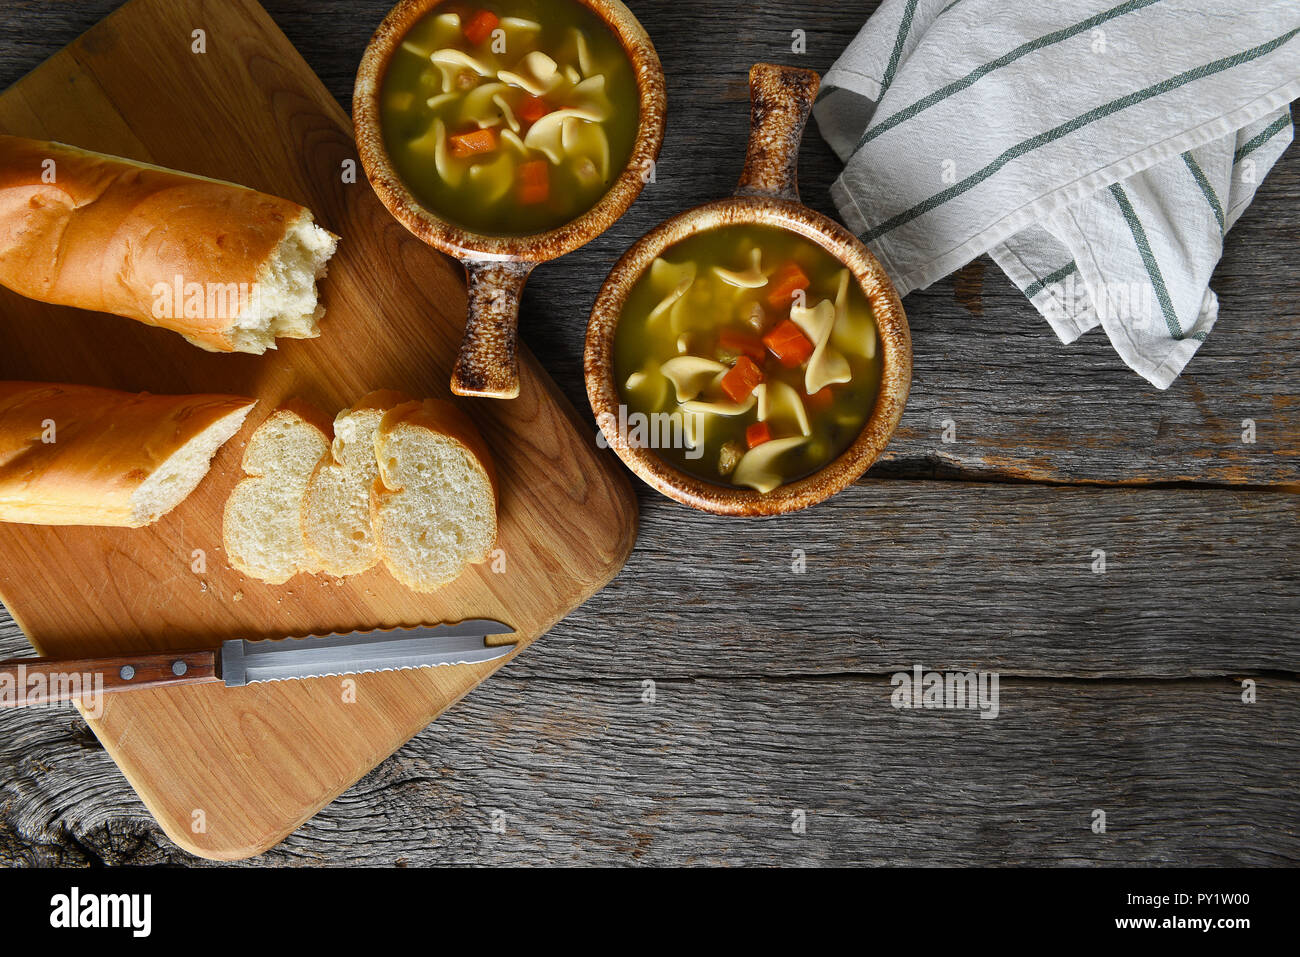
(781, 100)
(497, 266)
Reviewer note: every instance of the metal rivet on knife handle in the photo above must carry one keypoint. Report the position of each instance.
(120, 673)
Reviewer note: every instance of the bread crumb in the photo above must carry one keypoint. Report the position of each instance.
(237, 596)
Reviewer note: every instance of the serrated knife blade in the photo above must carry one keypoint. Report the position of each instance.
(242, 662)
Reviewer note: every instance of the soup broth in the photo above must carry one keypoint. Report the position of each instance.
(509, 118)
(751, 353)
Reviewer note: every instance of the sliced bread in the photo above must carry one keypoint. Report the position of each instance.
(262, 527)
(336, 507)
(433, 505)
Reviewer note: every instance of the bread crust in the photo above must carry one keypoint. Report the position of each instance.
(438, 415)
(386, 399)
(107, 231)
(106, 445)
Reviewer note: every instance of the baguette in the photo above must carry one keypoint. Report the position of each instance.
(336, 507)
(227, 267)
(433, 505)
(262, 526)
(78, 455)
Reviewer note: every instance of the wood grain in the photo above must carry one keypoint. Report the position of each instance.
(711, 772)
(228, 772)
(954, 575)
(587, 774)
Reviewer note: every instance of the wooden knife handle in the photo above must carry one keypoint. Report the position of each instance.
(28, 681)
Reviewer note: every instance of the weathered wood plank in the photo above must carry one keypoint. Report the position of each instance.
(951, 574)
(711, 772)
(1024, 406)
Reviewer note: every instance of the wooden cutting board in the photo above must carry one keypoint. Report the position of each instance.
(229, 773)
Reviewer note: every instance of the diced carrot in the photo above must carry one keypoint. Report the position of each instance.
(476, 141)
(820, 400)
(534, 182)
(480, 26)
(740, 381)
(788, 343)
(732, 340)
(785, 282)
(532, 109)
(757, 434)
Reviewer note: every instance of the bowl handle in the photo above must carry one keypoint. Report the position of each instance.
(780, 97)
(488, 364)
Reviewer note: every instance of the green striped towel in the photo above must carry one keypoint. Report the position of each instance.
(1099, 152)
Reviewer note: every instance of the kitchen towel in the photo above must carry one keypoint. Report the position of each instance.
(1099, 152)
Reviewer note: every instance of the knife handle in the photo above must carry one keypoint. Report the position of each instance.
(29, 681)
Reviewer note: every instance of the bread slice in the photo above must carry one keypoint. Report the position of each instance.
(433, 506)
(79, 455)
(336, 508)
(262, 527)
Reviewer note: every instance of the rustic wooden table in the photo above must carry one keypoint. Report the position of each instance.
(723, 702)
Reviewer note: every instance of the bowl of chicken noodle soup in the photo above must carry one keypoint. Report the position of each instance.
(507, 133)
(750, 356)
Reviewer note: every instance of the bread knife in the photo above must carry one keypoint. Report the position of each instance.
(239, 662)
